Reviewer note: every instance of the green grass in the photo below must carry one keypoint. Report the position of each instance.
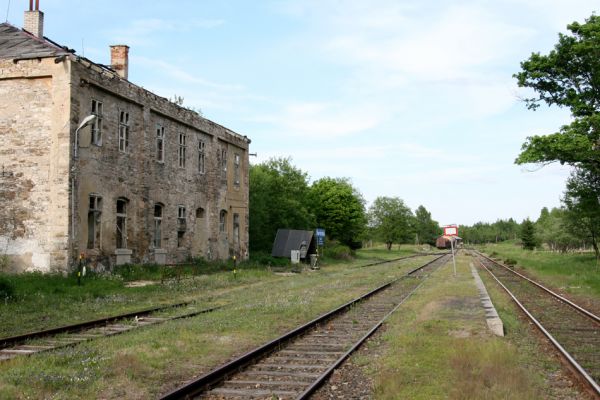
(152, 360)
(574, 273)
(437, 346)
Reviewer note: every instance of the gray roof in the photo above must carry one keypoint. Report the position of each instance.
(291, 239)
(16, 43)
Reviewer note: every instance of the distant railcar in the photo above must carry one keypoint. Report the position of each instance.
(445, 242)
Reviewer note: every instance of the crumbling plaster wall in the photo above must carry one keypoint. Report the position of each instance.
(137, 175)
(34, 164)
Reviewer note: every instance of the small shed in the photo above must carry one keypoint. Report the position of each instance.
(287, 240)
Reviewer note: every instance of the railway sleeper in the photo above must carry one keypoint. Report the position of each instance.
(249, 394)
(280, 374)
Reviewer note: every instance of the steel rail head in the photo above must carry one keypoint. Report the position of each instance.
(556, 295)
(582, 372)
(321, 379)
(13, 340)
(211, 378)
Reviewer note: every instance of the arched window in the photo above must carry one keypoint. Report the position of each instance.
(158, 216)
(199, 212)
(222, 220)
(122, 223)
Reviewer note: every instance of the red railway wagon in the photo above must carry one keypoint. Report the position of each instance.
(445, 242)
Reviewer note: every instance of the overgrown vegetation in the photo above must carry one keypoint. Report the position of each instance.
(150, 361)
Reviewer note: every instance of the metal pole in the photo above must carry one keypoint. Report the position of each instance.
(453, 260)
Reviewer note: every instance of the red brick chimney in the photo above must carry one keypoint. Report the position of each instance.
(34, 20)
(119, 59)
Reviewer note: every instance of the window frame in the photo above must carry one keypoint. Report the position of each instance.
(160, 143)
(201, 157)
(97, 109)
(181, 152)
(124, 129)
(121, 239)
(95, 213)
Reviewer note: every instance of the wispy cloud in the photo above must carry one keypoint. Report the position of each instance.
(325, 121)
(141, 31)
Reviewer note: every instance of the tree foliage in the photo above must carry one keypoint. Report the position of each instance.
(340, 209)
(391, 221)
(278, 199)
(569, 76)
(484, 232)
(426, 229)
(528, 235)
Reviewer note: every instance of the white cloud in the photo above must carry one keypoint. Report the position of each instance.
(325, 121)
(139, 32)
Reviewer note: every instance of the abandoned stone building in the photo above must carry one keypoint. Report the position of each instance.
(92, 163)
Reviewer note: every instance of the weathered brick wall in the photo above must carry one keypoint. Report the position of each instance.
(137, 175)
(33, 165)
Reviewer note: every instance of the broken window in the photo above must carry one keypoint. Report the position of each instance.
(97, 110)
(236, 229)
(181, 225)
(236, 170)
(181, 153)
(158, 214)
(123, 131)
(222, 220)
(122, 223)
(223, 164)
(201, 157)
(160, 143)
(94, 222)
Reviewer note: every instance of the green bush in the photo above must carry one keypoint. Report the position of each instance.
(7, 289)
(510, 262)
(338, 251)
(265, 259)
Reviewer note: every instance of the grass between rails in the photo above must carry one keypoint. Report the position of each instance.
(574, 273)
(437, 346)
(150, 361)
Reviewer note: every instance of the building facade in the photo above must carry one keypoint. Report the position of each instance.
(91, 163)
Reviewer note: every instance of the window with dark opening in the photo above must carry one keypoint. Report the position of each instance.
(121, 223)
(236, 170)
(123, 131)
(158, 215)
(97, 110)
(160, 143)
(94, 221)
(222, 220)
(223, 164)
(236, 229)
(201, 157)
(182, 148)
(200, 212)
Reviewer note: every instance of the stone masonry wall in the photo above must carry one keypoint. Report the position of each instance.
(111, 173)
(34, 162)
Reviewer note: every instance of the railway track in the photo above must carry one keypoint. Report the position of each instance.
(574, 331)
(297, 363)
(70, 335)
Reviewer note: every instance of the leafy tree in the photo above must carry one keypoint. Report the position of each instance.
(582, 201)
(426, 229)
(391, 220)
(278, 199)
(569, 76)
(340, 209)
(528, 235)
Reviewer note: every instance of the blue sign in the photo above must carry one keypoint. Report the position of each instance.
(320, 234)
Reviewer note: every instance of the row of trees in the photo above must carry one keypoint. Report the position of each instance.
(282, 197)
(558, 229)
(569, 76)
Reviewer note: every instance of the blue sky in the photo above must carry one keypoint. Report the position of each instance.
(413, 99)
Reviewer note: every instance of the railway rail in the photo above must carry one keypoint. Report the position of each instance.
(297, 363)
(70, 335)
(573, 330)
